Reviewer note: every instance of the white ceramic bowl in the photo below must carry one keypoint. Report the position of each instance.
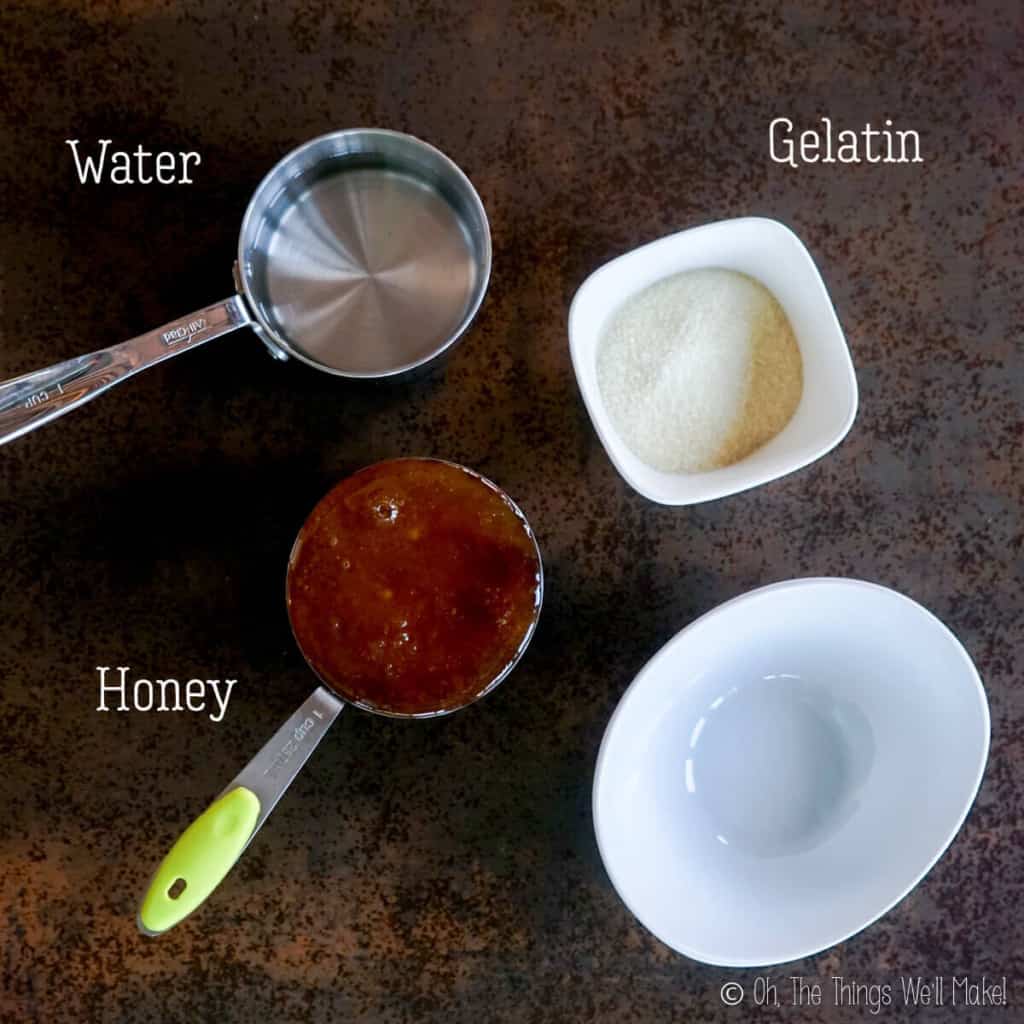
(768, 251)
(787, 768)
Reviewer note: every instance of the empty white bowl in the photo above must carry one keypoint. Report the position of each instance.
(787, 768)
(769, 252)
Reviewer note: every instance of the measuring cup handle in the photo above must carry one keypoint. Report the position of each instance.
(208, 849)
(31, 400)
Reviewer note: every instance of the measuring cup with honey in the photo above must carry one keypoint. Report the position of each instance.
(413, 589)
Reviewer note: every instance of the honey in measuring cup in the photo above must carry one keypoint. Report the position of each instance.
(413, 587)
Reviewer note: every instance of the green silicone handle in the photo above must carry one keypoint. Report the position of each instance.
(202, 856)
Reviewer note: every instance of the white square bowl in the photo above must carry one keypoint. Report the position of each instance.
(770, 253)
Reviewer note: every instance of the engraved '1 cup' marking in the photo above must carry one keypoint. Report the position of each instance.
(41, 396)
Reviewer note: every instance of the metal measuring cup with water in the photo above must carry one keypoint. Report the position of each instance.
(363, 253)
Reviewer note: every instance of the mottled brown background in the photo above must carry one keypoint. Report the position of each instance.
(448, 871)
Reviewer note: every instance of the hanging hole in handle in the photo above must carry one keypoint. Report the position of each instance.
(177, 888)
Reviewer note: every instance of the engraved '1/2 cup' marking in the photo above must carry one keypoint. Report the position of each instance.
(292, 744)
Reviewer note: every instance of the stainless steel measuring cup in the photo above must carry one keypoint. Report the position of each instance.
(364, 253)
(206, 851)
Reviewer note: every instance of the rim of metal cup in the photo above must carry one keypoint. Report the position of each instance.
(254, 210)
(523, 644)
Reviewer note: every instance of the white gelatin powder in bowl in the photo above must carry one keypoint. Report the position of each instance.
(699, 370)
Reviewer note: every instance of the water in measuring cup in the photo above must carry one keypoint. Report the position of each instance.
(368, 271)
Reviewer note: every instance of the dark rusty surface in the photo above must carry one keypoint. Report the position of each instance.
(447, 870)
